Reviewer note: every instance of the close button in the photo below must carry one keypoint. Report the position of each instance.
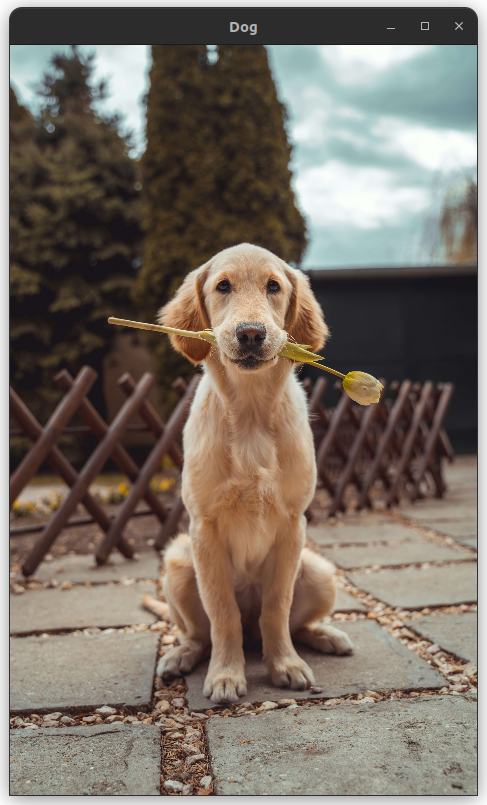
(459, 26)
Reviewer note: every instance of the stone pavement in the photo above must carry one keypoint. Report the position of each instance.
(424, 746)
(82, 673)
(81, 607)
(114, 760)
(415, 588)
(396, 717)
(456, 633)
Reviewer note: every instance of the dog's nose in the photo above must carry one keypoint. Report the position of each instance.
(251, 334)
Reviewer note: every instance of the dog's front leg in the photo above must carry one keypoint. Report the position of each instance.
(285, 666)
(225, 680)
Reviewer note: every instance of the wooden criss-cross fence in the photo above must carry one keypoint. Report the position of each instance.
(44, 449)
(399, 441)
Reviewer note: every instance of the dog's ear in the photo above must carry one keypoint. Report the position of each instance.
(304, 317)
(186, 311)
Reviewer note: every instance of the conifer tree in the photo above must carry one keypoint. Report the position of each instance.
(215, 173)
(74, 233)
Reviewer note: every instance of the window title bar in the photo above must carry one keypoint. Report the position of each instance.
(269, 26)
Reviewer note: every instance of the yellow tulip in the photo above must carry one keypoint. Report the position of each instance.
(362, 388)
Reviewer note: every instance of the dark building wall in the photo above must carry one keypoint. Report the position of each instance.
(421, 326)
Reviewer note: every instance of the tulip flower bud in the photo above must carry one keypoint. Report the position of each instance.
(362, 388)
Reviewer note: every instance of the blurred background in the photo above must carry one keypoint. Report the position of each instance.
(132, 165)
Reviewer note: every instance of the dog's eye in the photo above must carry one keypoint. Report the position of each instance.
(224, 286)
(273, 286)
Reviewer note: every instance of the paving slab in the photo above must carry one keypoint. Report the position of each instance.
(79, 607)
(456, 632)
(382, 530)
(401, 553)
(414, 588)
(439, 510)
(470, 541)
(379, 662)
(114, 760)
(84, 568)
(425, 746)
(78, 673)
(452, 528)
(347, 603)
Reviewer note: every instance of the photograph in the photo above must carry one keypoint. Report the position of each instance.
(243, 412)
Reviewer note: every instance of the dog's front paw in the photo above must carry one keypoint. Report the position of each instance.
(291, 672)
(224, 688)
(180, 660)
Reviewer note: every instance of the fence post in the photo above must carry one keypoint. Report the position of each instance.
(52, 431)
(173, 426)
(367, 419)
(169, 527)
(316, 394)
(441, 409)
(409, 441)
(329, 439)
(152, 418)
(120, 456)
(384, 440)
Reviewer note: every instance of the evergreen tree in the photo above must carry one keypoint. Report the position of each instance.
(74, 232)
(215, 173)
(20, 118)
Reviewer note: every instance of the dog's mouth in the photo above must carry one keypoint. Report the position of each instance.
(251, 361)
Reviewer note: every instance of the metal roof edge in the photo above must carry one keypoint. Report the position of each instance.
(386, 272)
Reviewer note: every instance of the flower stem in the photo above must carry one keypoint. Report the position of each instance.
(326, 369)
(158, 328)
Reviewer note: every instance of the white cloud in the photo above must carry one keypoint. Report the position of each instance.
(337, 193)
(312, 109)
(318, 127)
(315, 120)
(126, 68)
(311, 130)
(434, 149)
(349, 113)
(357, 64)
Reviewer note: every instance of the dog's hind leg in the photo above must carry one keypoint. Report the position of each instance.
(314, 597)
(185, 609)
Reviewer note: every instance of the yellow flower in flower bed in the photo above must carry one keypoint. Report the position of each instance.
(54, 500)
(25, 509)
(166, 484)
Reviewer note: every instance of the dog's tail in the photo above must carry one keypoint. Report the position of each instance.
(159, 608)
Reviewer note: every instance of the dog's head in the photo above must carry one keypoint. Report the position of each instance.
(252, 301)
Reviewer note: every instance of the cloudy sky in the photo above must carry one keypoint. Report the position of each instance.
(380, 134)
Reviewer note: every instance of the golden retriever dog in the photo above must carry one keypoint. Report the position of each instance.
(249, 474)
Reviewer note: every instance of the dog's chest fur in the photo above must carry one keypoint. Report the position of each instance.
(248, 471)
